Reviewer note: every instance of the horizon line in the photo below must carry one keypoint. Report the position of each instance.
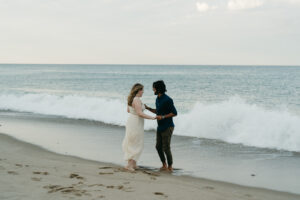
(137, 64)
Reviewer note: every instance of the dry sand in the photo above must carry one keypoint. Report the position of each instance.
(30, 172)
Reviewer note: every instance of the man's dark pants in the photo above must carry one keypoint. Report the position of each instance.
(163, 141)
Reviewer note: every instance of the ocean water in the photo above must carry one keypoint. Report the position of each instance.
(233, 121)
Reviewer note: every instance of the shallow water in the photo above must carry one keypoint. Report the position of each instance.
(200, 157)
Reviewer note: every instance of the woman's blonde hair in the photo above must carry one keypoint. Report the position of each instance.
(134, 90)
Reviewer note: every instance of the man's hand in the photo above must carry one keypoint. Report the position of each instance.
(159, 117)
(150, 109)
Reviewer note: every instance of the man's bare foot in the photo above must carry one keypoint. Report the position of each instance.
(170, 169)
(164, 167)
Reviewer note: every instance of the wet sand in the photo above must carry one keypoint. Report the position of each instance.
(30, 172)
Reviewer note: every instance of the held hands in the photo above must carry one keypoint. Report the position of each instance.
(159, 117)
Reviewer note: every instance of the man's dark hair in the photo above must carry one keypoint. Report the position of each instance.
(160, 87)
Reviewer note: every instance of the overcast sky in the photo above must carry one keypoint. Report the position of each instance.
(264, 32)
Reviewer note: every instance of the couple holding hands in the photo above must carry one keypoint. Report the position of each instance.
(165, 110)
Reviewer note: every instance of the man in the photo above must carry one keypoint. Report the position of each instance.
(165, 111)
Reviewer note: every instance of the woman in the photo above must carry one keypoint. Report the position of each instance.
(133, 142)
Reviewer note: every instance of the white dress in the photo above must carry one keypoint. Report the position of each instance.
(133, 142)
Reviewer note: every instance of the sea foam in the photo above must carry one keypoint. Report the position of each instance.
(232, 121)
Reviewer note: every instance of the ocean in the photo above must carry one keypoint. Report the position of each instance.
(238, 124)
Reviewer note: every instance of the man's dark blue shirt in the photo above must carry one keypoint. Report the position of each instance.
(164, 105)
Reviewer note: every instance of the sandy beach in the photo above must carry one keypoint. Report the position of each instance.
(209, 89)
(30, 172)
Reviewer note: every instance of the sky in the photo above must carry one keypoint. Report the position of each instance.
(192, 32)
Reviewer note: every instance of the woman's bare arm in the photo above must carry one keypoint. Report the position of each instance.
(137, 104)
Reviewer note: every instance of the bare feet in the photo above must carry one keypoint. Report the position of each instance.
(129, 169)
(135, 165)
(131, 165)
(164, 167)
(170, 169)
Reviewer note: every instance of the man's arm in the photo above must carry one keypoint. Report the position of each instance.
(150, 109)
(160, 117)
(172, 109)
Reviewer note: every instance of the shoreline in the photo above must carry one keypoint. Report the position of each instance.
(25, 167)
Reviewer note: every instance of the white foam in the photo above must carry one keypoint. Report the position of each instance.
(233, 121)
(70, 106)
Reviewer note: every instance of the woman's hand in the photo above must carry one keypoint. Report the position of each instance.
(158, 117)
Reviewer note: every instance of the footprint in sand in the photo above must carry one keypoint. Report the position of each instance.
(151, 173)
(248, 195)
(105, 167)
(42, 173)
(209, 187)
(103, 173)
(75, 176)
(12, 172)
(120, 187)
(160, 194)
(52, 187)
(19, 165)
(66, 190)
